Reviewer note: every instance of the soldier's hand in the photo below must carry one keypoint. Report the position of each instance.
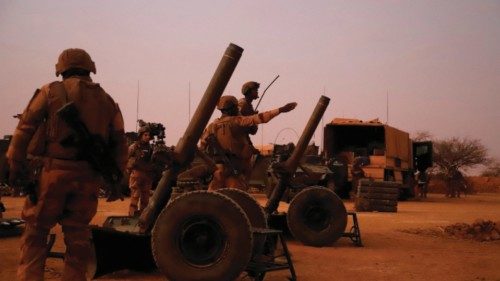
(288, 107)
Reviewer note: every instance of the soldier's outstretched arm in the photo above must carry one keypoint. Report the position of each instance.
(264, 117)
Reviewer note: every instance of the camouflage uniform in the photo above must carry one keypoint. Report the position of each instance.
(141, 174)
(232, 137)
(68, 187)
(357, 173)
(245, 107)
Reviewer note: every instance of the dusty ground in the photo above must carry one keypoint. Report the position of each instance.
(392, 251)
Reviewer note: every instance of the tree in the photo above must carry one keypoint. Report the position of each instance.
(454, 156)
(422, 136)
(492, 170)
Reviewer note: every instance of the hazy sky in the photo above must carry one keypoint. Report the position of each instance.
(439, 60)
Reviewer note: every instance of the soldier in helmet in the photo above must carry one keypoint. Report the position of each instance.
(250, 91)
(226, 139)
(68, 186)
(141, 170)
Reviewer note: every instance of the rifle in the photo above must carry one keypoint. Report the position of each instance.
(93, 149)
(263, 93)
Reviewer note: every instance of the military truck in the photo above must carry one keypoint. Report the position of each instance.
(388, 153)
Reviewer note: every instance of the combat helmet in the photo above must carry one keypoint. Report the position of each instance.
(249, 86)
(74, 58)
(227, 102)
(143, 129)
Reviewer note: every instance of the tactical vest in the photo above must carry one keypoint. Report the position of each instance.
(140, 157)
(232, 137)
(96, 109)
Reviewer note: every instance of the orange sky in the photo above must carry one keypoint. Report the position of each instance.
(439, 60)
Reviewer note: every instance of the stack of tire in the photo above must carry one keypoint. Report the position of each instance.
(380, 196)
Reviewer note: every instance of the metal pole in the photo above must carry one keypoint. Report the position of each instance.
(387, 107)
(189, 101)
(137, 107)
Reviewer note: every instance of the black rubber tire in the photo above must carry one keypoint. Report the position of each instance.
(384, 196)
(253, 210)
(11, 232)
(221, 220)
(376, 189)
(323, 205)
(11, 227)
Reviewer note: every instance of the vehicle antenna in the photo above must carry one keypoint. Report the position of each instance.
(387, 107)
(189, 101)
(137, 107)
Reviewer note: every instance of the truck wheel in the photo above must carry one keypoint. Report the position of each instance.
(317, 217)
(202, 235)
(253, 210)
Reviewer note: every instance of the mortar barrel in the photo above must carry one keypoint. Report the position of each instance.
(293, 161)
(186, 146)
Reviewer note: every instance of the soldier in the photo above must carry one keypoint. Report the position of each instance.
(357, 172)
(141, 171)
(68, 186)
(422, 183)
(250, 91)
(227, 141)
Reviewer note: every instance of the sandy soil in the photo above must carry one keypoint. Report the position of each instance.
(392, 250)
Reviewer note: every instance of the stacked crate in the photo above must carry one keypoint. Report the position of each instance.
(381, 196)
